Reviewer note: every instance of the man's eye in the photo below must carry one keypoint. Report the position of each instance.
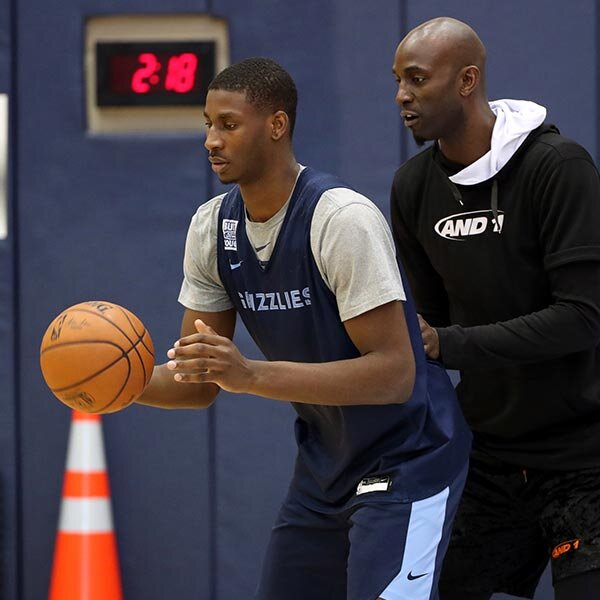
(230, 125)
(207, 125)
(418, 79)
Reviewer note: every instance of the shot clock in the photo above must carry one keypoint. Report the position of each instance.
(149, 73)
(170, 73)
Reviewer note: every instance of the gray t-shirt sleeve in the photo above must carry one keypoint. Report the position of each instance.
(202, 288)
(354, 251)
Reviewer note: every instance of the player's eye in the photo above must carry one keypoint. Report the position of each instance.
(230, 126)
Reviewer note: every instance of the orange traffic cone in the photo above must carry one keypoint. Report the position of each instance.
(86, 566)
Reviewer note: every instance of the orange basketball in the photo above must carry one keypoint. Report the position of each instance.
(97, 357)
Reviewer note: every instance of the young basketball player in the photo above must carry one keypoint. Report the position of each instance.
(309, 266)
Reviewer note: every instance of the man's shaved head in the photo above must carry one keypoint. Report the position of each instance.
(440, 68)
(451, 39)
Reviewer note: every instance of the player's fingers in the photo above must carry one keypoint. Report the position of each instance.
(206, 377)
(196, 365)
(196, 349)
(194, 338)
(204, 338)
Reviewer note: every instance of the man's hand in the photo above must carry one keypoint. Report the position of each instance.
(207, 357)
(431, 340)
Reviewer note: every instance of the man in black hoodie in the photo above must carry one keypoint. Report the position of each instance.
(498, 226)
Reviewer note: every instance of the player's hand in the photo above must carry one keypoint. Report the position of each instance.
(206, 357)
(431, 340)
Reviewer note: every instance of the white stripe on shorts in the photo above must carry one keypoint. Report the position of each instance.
(425, 527)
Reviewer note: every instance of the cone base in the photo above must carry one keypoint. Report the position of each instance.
(85, 567)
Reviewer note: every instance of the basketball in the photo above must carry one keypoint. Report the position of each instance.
(97, 357)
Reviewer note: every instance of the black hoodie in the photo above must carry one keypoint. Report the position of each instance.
(508, 271)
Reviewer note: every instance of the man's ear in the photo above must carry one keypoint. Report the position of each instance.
(470, 77)
(280, 124)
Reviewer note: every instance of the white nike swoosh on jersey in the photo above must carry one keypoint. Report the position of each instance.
(235, 266)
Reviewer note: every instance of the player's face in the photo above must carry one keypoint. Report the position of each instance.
(428, 93)
(238, 137)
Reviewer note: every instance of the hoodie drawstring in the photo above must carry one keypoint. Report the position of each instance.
(495, 205)
(457, 195)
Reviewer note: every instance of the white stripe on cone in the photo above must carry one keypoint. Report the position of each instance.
(85, 515)
(86, 450)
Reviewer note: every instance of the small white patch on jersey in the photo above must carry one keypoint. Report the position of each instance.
(374, 484)
(229, 234)
(462, 225)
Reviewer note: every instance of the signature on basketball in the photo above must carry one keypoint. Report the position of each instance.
(74, 323)
(82, 399)
(57, 327)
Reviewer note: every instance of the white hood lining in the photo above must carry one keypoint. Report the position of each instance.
(515, 120)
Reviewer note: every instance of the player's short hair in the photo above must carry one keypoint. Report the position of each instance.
(267, 85)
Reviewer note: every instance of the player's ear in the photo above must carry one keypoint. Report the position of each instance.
(280, 124)
(469, 79)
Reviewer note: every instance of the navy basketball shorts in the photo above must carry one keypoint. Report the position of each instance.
(511, 522)
(378, 549)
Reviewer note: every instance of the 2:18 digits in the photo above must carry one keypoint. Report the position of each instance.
(180, 75)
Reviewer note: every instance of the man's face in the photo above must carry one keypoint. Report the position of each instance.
(237, 137)
(428, 87)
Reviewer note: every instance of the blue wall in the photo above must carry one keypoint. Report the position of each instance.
(9, 485)
(537, 50)
(195, 493)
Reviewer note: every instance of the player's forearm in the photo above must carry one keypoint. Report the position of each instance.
(164, 392)
(570, 324)
(375, 378)
(547, 334)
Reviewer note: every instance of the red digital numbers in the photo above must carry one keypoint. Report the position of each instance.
(181, 73)
(139, 81)
(180, 76)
